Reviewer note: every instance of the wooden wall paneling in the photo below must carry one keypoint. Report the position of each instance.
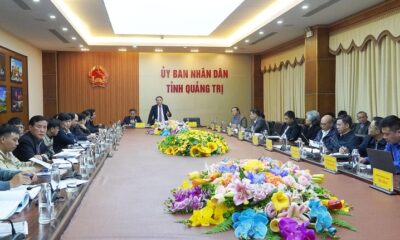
(24, 115)
(258, 86)
(50, 96)
(111, 102)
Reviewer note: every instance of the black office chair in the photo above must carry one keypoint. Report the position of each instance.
(301, 120)
(192, 119)
(270, 126)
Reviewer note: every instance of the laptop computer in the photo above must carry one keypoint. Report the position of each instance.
(382, 160)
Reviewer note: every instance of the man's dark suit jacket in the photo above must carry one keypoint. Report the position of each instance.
(293, 133)
(153, 115)
(258, 125)
(29, 146)
(127, 120)
(62, 140)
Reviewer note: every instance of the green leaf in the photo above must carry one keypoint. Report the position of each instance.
(187, 222)
(325, 235)
(340, 212)
(343, 224)
(241, 174)
(272, 236)
(223, 227)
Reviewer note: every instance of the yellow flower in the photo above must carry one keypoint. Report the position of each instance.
(212, 146)
(194, 151)
(211, 214)
(170, 151)
(186, 185)
(274, 225)
(193, 175)
(280, 201)
(253, 165)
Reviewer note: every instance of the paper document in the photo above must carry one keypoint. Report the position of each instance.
(20, 227)
(12, 201)
(63, 183)
(314, 144)
(40, 162)
(274, 137)
(67, 154)
(33, 192)
(63, 161)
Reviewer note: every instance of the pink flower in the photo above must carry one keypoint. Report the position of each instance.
(242, 191)
(270, 210)
(289, 180)
(304, 181)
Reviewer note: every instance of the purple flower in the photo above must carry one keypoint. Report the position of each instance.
(290, 230)
(224, 168)
(188, 199)
(270, 210)
(256, 177)
(279, 172)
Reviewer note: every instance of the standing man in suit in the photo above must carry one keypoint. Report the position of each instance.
(159, 112)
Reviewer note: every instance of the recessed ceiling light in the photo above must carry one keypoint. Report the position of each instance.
(247, 40)
(64, 29)
(304, 7)
(73, 38)
(122, 49)
(80, 45)
(36, 0)
(154, 17)
(52, 16)
(235, 47)
(279, 22)
(229, 51)
(194, 50)
(185, 47)
(134, 46)
(158, 50)
(85, 49)
(261, 32)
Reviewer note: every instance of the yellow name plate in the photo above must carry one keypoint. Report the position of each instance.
(140, 125)
(382, 179)
(192, 124)
(269, 145)
(330, 163)
(255, 139)
(295, 153)
(240, 135)
(229, 131)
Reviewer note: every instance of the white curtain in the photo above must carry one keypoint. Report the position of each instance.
(369, 79)
(284, 90)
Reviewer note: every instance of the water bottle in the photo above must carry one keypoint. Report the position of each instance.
(83, 171)
(284, 142)
(45, 205)
(300, 144)
(354, 157)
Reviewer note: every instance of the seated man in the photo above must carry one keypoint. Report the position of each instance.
(327, 135)
(132, 118)
(13, 178)
(31, 143)
(361, 128)
(159, 112)
(77, 131)
(238, 120)
(9, 136)
(64, 136)
(345, 140)
(391, 133)
(17, 122)
(258, 123)
(290, 129)
(373, 140)
(312, 126)
(90, 124)
(52, 130)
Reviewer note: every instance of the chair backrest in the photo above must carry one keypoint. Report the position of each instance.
(270, 125)
(192, 119)
(301, 120)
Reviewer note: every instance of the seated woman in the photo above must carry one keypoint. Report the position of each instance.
(238, 120)
(258, 123)
(132, 118)
(312, 126)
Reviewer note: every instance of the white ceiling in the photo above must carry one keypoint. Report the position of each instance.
(33, 24)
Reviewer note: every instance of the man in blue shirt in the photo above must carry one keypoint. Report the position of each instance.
(391, 133)
(13, 178)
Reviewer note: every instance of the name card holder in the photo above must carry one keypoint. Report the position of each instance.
(295, 153)
(140, 125)
(212, 126)
(255, 139)
(192, 124)
(218, 128)
(269, 146)
(229, 131)
(330, 164)
(382, 181)
(240, 135)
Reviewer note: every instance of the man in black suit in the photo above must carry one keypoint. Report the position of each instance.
(291, 129)
(132, 118)
(159, 112)
(258, 124)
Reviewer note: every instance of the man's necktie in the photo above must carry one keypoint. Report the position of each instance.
(159, 114)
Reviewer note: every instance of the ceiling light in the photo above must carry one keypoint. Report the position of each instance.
(247, 40)
(261, 32)
(235, 47)
(279, 22)
(122, 49)
(194, 50)
(73, 38)
(52, 16)
(185, 47)
(36, 0)
(85, 49)
(229, 51)
(134, 46)
(153, 17)
(80, 45)
(158, 50)
(304, 7)
(64, 29)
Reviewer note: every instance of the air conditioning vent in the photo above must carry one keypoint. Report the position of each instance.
(22, 4)
(263, 38)
(58, 35)
(320, 8)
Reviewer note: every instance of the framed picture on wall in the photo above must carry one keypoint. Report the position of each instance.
(2, 67)
(3, 99)
(16, 99)
(16, 70)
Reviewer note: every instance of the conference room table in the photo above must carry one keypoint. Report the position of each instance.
(125, 199)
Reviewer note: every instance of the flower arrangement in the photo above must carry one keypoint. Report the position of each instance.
(170, 127)
(259, 199)
(194, 143)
